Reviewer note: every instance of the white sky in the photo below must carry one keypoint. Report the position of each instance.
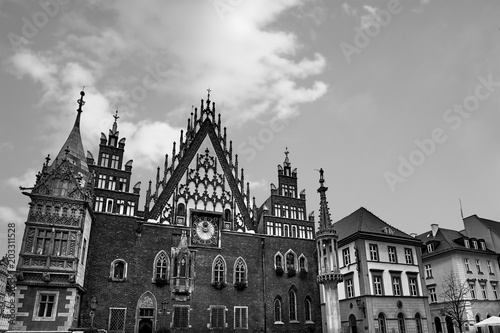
(353, 106)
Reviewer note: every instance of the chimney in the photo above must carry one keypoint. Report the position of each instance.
(434, 228)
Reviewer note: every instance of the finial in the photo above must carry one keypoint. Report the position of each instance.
(81, 102)
(208, 90)
(116, 115)
(321, 179)
(287, 161)
(47, 159)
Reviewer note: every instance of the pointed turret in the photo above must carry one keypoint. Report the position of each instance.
(328, 272)
(76, 153)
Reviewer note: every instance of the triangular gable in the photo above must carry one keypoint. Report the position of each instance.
(193, 153)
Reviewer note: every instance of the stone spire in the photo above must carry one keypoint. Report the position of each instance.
(325, 221)
(72, 149)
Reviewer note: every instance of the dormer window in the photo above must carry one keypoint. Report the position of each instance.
(474, 243)
(387, 230)
(483, 246)
(466, 243)
(430, 247)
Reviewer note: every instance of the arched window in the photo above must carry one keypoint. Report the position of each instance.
(478, 319)
(290, 260)
(352, 324)
(286, 231)
(382, 326)
(227, 215)
(161, 265)
(292, 298)
(182, 268)
(277, 310)
(308, 309)
(181, 209)
(302, 263)
(118, 270)
(278, 260)
(219, 269)
(418, 323)
(240, 270)
(401, 323)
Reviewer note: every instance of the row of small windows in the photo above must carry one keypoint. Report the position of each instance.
(478, 266)
(290, 261)
(181, 317)
(161, 269)
(288, 190)
(287, 230)
(112, 183)
(55, 243)
(474, 244)
(289, 212)
(378, 285)
(392, 256)
(402, 323)
(472, 289)
(292, 308)
(114, 206)
(105, 161)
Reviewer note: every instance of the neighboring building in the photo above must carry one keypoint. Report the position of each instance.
(472, 262)
(383, 288)
(193, 260)
(51, 267)
(482, 228)
(4, 309)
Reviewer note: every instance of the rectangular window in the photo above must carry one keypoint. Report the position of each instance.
(112, 183)
(302, 231)
(467, 265)
(432, 294)
(293, 191)
(105, 160)
(42, 245)
(241, 317)
(114, 161)
(472, 288)
(478, 266)
(409, 256)
(60, 244)
(99, 204)
(495, 291)
(101, 182)
(428, 271)
(217, 316)
(180, 317)
(84, 249)
(270, 228)
(393, 258)
(483, 246)
(284, 190)
(121, 206)
(293, 212)
(483, 291)
(349, 288)
(466, 243)
(474, 243)
(46, 305)
(347, 256)
(277, 210)
(377, 285)
(285, 211)
(310, 233)
(277, 229)
(490, 269)
(122, 185)
(117, 319)
(413, 286)
(294, 231)
(130, 208)
(396, 285)
(301, 213)
(286, 230)
(373, 252)
(430, 248)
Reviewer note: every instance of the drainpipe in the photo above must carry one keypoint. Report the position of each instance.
(263, 261)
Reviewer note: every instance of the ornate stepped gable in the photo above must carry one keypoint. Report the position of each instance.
(203, 175)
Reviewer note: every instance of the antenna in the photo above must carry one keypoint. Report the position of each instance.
(461, 211)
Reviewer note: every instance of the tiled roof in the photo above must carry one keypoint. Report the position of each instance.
(493, 225)
(363, 220)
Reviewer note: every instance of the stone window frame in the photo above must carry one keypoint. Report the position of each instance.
(308, 314)
(278, 254)
(112, 271)
(155, 262)
(294, 260)
(124, 319)
(245, 270)
(302, 256)
(349, 277)
(38, 299)
(378, 273)
(280, 312)
(245, 324)
(393, 257)
(224, 316)
(178, 306)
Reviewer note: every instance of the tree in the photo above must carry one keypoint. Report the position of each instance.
(455, 298)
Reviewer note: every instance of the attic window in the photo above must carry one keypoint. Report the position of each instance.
(466, 243)
(430, 247)
(483, 246)
(387, 230)
(474, 243)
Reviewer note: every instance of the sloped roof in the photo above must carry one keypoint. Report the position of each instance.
(362, 220)
(493, 225)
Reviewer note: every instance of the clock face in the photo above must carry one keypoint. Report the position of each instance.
(205, 230)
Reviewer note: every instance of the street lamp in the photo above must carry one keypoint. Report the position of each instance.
(93, 307)
(361, 306)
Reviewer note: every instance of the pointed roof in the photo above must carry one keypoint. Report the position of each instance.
(365, 222)
(325, 222)
(493, 225)
(198, 128)
(73, 147)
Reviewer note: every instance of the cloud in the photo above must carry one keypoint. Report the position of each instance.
(26, 180)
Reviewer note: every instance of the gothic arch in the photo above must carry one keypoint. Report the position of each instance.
(290, 260)
(240, 270)
(292, 304)
(302, 261)
(278, 260)
(145, 313)
(219, 269)
(161, 266)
